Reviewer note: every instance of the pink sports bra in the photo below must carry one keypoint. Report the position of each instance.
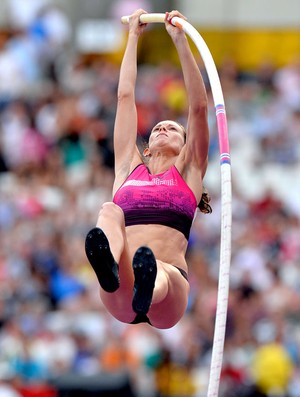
(163, 199)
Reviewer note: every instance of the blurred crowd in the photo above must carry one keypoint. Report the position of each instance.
(56, 169)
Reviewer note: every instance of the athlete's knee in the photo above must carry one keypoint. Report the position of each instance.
(111, 210)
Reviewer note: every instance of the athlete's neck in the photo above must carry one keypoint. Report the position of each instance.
(158, 164)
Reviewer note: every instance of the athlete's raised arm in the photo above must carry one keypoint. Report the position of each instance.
(125, 129)
(197, 139)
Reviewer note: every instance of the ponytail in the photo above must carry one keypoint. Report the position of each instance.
(204, 203)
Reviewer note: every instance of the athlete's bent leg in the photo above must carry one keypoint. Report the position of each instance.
(111, 222)
(170, 297)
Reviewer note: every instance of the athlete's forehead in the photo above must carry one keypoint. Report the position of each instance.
(168, 123)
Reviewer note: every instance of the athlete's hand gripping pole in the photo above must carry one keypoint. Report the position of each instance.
(155, 18)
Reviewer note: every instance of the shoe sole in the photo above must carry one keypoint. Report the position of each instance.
(100, 257)
(145, 270)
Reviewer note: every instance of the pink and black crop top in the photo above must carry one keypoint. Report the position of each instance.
(163, 199)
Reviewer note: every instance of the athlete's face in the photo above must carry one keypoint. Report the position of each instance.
(167, 132)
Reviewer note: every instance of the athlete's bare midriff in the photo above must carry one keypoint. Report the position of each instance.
(168, 245)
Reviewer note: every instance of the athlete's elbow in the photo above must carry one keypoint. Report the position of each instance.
(125, 92)
(199, 110)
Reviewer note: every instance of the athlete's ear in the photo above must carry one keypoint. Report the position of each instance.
(146, 152)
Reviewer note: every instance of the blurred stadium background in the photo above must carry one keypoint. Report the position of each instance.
(59, 63)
